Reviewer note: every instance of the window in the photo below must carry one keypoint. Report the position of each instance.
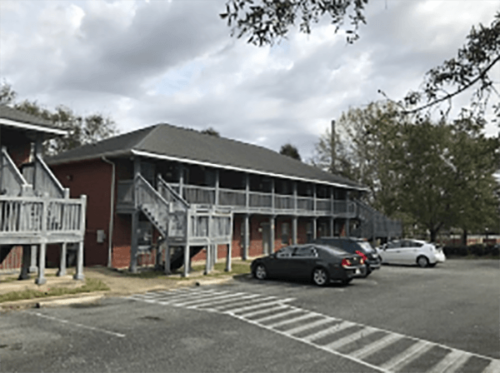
(285, 233)
(285, 252)
(306, 252)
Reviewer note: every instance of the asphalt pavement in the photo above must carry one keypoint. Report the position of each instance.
(399, 319)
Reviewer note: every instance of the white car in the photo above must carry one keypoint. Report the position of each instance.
(408, 251)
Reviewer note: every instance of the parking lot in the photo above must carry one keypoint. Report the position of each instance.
(398, 319)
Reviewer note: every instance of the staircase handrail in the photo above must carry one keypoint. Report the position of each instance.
(13, 173)
(57, 190)
(140, 181)
(176, 196)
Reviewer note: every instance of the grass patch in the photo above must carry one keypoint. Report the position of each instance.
(91, 285)
(237, 268)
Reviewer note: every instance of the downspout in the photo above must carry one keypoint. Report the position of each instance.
(111, 213)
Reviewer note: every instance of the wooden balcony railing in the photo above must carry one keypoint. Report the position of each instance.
(30, 220)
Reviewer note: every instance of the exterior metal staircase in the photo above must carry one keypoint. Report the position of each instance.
(375, 224)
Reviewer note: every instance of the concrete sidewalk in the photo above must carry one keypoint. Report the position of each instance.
(120, 283)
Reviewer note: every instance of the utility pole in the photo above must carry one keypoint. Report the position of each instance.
(332, 147)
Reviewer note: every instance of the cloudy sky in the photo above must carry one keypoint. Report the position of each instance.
(144, 62)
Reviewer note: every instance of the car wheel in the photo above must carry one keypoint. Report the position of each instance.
(422, 261)
(260, 272)
(320, 276)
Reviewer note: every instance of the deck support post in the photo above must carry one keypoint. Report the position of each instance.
(208, 260)
(62, 261)
(228, 257)
(271, 234)
(332, 226)
(24, 275)
(215, 253)
(166, 248)
(187, 261)
(33, 267)
(79, 262)
(134, 243)
(315, 228)
(40, 280)
(246, 236)
(294, 229)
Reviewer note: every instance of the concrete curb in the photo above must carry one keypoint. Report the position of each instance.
(52, 301)
(84, 299)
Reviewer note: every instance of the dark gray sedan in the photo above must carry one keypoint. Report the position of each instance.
(317, 263)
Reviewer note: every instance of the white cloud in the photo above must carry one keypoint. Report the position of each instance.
(144, 62)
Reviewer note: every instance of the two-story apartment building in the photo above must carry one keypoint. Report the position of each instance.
(35, 209)
(165, 194)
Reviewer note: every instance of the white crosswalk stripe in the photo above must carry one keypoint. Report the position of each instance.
(452, 362)
(350, 338)
(261, 310)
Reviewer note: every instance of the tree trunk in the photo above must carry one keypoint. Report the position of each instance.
(464, 237)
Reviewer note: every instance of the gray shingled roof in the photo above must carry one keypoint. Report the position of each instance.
(18, 117)
(190, 146)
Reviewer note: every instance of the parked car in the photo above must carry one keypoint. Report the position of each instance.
(410, 251)
(355, 246)
(316, 263)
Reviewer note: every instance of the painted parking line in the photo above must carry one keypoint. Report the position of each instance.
(277, 315)
(63, 321)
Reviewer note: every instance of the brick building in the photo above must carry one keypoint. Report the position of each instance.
(166, 194)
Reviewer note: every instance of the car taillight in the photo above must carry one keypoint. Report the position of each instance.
(346, 262)
(363, 256)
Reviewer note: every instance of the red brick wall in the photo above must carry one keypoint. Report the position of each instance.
(13, 260)
(92, 178)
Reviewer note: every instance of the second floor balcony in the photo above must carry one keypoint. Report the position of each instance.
(246, 201)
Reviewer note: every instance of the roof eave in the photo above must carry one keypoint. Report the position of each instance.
(32, 127)
(88, 157)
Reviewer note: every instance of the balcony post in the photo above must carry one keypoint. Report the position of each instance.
(272, 198)
(228, 257)
(187, 249)
(246, 236)
(314, 203)
(247, 191)
(295, 202)
(294, 229)
(347, 220)
(315, 227)
(272, 220)
(332, 215)
(181, 180)
(135, 220)
(217, 187)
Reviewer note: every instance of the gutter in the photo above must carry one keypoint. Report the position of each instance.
(111, 212)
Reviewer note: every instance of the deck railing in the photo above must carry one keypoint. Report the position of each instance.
(28, 220)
